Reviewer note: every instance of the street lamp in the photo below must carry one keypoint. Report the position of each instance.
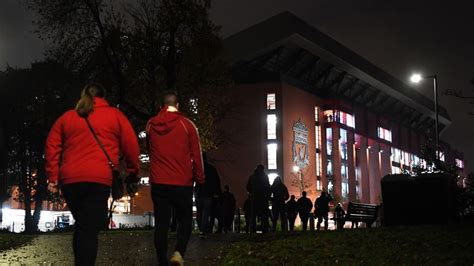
(416, 78)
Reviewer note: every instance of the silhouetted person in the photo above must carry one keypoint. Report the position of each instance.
(280, 196)
(227, 209)
(175, 164)
(291, 212)
(205, 193)
(173, 221)
(339, 214)
(247, 208)
(304, 207)
(259, 190)
(322, 209)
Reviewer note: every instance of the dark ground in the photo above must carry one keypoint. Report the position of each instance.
(423, 245)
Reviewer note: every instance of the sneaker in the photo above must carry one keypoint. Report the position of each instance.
(176, 259)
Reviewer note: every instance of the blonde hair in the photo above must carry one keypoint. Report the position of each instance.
(85, 105)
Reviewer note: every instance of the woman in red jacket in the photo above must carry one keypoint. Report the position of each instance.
(76, 162)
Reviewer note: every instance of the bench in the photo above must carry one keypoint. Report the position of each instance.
(360, 212)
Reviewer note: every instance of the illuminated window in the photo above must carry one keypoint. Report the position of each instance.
(396, 170)
(396, 155)
(272, 177)
(272, 156)
(329, 168)
(460, 163)
(316, 114)
(405, 158)
(343, 143)
(329, 116)
(344, 181)
(384, 134)
(340, 117)
(317, 130)
(271, 101)
(318, 164)
(318, 183)
(441, 156)
(271, 126)
(329, 141)
(415, 161)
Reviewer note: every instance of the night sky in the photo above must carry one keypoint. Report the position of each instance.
(400, 36)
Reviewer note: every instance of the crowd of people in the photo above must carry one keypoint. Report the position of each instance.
(82, 157)
(284, 209)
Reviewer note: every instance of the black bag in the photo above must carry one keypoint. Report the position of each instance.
(117, 182)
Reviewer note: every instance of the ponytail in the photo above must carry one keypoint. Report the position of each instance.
(85, 105)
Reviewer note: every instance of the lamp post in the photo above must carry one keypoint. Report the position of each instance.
(299, 173)
(416, 78)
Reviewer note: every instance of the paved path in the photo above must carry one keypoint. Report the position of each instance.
(115, 248)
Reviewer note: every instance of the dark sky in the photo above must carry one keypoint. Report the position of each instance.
(400, 36)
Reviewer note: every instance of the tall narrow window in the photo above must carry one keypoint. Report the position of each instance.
(329, 141)
(345, 180)
(272, 156)
(271, 126)
(271, 101)
(343, 143)
(460, 163)
(316, 114)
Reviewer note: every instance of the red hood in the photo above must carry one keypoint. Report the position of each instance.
(166, 120)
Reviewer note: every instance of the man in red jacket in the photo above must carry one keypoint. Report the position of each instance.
(175, 163)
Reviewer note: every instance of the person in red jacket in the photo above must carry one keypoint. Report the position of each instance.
(175, 163)
(76, 162)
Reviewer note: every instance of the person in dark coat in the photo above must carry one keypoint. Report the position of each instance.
(280, 196)
(322, 209)
(205, 195)
(259, 190)
(291, 212)
(227, 209)
(304, 207)
(339, 214)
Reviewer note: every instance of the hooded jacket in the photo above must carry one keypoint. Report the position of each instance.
(174, 149)
(73, 155)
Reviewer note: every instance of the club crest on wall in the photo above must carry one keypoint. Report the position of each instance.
(300, 144)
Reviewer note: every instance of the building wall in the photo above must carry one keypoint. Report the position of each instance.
(299, 105)
(244, 145)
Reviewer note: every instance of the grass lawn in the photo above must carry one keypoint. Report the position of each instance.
(11, 240)
(424, 245)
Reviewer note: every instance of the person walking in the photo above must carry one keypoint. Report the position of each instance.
(322, 209)
(259, 191)
(205, 194)
(175, 163)
(304, 207)
(228, 209)
(279, 197)
(291, 212)
(339, 216)
(83, 166)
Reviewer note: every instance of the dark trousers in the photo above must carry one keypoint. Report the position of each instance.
(291, 220)
(180, 198)
(278, 212)
(203, 213)
(259, 208)
(304, 220)
(322, 216)
(88, 205)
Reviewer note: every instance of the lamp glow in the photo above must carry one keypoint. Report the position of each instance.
(416, 78)
(296, 168)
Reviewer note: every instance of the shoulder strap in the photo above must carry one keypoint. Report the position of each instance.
(111, 164)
